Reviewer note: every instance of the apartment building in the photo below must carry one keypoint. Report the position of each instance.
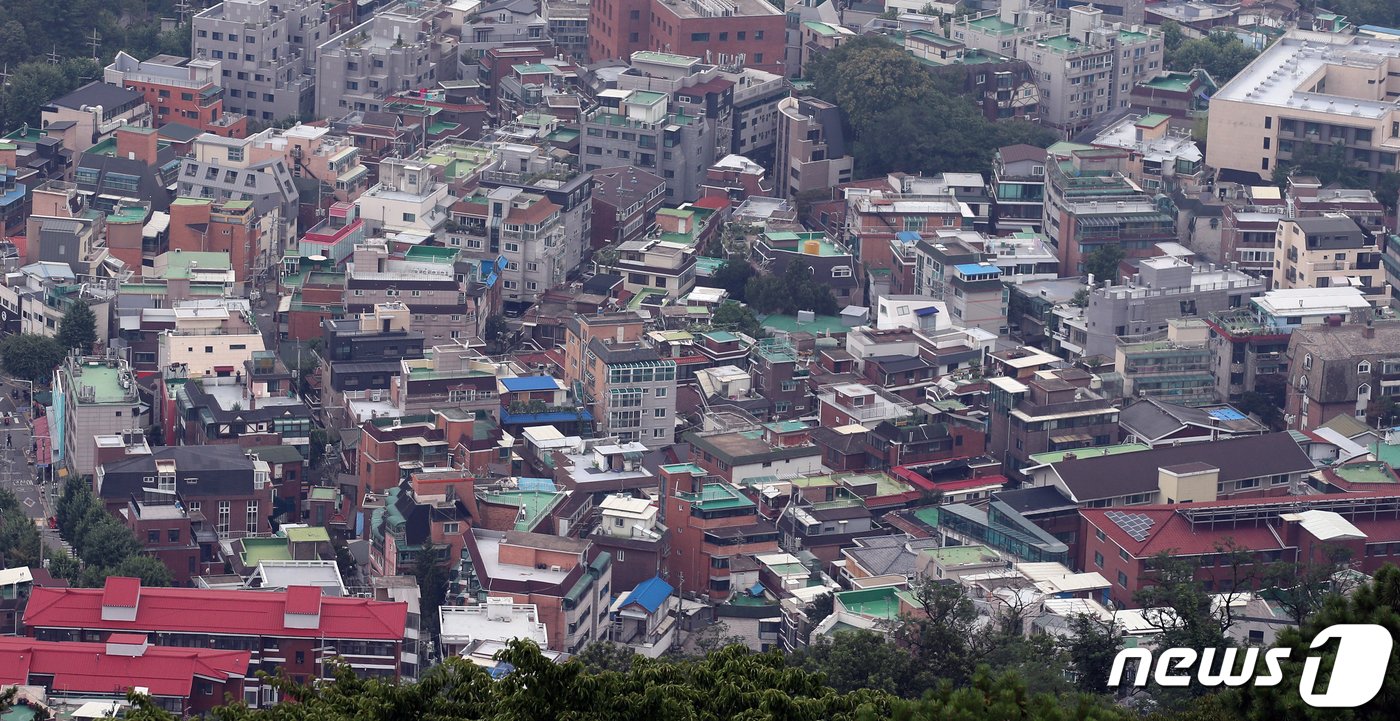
(1250, 344)
(559, 241)
(1085, 66)
(1328, 251)
(297, 631)
(1162, 157)
(1341, 369)
(318, 154)
(645, 128)
(363, 353)
(567, 24)
(876, 216)
(422, 278)
(1018, 189)
(1056, 413)
(92, 113)
(179, 90)
(403, 47)
(1164, 288)
(1310, 91)
(653, 267)
(733, 32)
(98, 397)
(755, 116)
(568, 580)
(267, 49)
(712, 525)
(1174, 369)
(625, 383)
(625, 201)
(1091, 202)
(408, 197)
(811, 147)
(227, 169)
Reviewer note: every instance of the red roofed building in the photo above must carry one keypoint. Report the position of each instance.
(295, 630)
(1120, 542)
(183, 681)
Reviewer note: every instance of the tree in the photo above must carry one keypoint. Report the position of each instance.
(31, 356)
(494, 332)
(1303, 587)
(432, 585)
(1174, 601)
(1102, 263)
(940, 633)
(602, 656)
(147, 568)
(1220, 54)
(733, 275)
(1080, 299)
(64, 566)
(738, 318)
(78, 329)
(851, 660)
(1091, 648)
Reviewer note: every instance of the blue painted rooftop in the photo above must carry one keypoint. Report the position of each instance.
(908, 236)
(977, 269)
(530, 383)
(554, 417)
(930, 310)
(651, 594)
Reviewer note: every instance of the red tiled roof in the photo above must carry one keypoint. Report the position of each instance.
(121, 591)
(202, 610)
(88, 668)
(129, 639)
(304, 600)
(963, 485)
(712, 202)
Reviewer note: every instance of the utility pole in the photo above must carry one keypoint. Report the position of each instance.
(53, 56)
(94, 42)
(183, 8)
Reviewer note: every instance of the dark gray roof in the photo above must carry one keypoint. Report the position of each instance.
(623, 353)
(881, 555)
(899, 364)
(219, 470)
(1328, 224)
(179, 132)
(1152, 419)
(97, 93)
(1128, 473)
(1021, 152)
(1031, 500)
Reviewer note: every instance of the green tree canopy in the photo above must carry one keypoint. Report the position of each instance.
(884, 93)
(78, 328)
(1102, 262)
(31, 356)
(738, 318)
(733, 275)
(796, 289)
(1221, 54)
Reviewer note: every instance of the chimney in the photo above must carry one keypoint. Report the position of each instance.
(137, 144)
(1369, 331)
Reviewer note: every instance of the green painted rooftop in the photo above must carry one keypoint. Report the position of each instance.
(1114, 450)
(257, 550)
(718, 497)
(1152, 120)
(646, 97)
(993, 24)
(322, 494)
(721, 336)
(105, 382)
(127, 214)
(533, 505)
(1062, 43)
(790, 324)
(690, 468)
(1370, 472)
(1174, 82)
(178, 264)
(882, 603)
(959, 555)
(309, 534)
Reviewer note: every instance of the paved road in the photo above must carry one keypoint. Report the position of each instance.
(17, 471)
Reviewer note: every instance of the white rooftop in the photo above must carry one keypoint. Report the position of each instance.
(1325, 525)
(1277, 77)
(499, 619)
(1311, 301)
(18, 574)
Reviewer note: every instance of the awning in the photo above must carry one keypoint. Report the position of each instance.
(1072, 438)
(223, 369)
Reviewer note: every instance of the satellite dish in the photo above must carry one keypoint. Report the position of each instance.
(317, 258)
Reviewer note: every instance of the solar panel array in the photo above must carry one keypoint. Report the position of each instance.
(1136, 524)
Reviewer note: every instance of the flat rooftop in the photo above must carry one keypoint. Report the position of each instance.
(1281, 75)
(721, 8)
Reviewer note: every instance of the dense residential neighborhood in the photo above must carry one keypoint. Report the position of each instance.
(947, 349)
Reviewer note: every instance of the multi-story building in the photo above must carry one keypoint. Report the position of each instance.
(780, 449)
(399, 48)
(625, 201)
(626, 384)
(568, 580)
(557, 245)
(1018, 189)
(423, 279)
(1308, 92)
(755, 117)
(875, 217)
(831, 263)
(1328, 251)
(363, 353)
(502, 24)
(1085, 66)
(205, 227)
(268, 54)
(1165, 287)
(177, 680)
(712, 524)
(1046, 414)
(641, 127)
(1308, 531)
(1163, 157)
(1001, 86)
(733, 32)
(179, 90)
(1250, 344)
(1091, 202)
(229, 485)
(318, 154)
(93, 396)
(297, 631)
(248, 407)
(1174, 369)
(567, 25)
(654, 266)
(811, 153)
(1344, 369)
(227, 169)
(408, 197)
(95, 111)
